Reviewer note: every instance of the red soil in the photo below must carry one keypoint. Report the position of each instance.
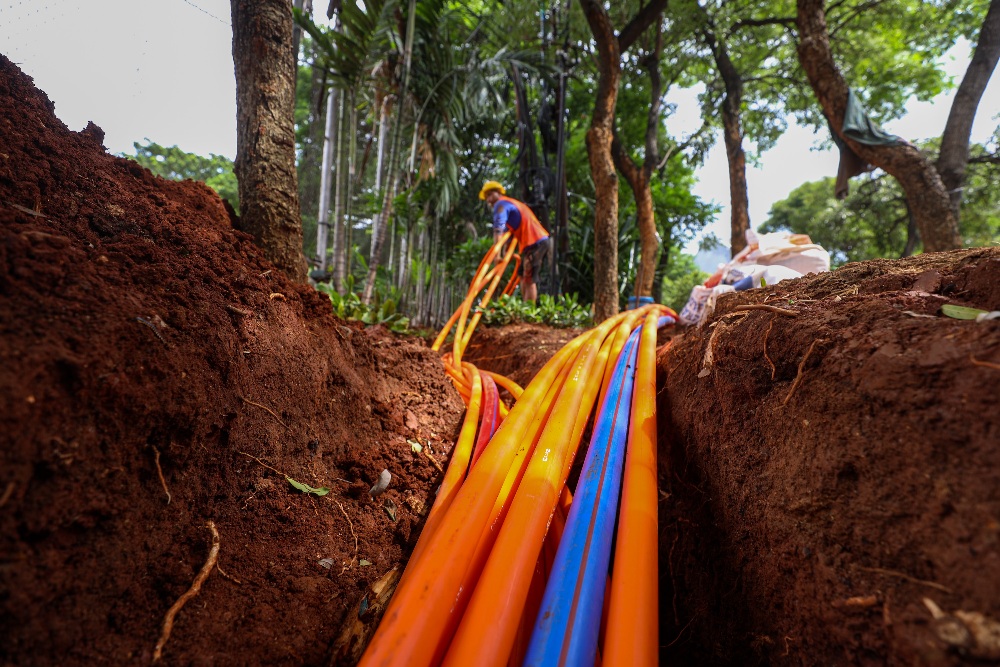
(807, 506)
(803, 524)
(135, 322)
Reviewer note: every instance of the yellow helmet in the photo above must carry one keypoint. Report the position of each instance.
(491, 185)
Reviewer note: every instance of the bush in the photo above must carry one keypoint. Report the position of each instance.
(348, 306)
(563, 311)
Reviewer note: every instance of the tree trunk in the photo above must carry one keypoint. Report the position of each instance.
(639, 182)
(925, 191)
(955, 141)
(265, 140)
(739, 220)
(640, 179)
(339, 265)
(732, 133)
(602, 167)
(325, 187)
(304, 6)
(351, 182)
(378, 241)
(310, 174)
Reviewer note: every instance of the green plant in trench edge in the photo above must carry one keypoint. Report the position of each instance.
(563, 311)
(348, 306)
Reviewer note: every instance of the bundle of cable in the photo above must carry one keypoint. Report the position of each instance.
(510, 568)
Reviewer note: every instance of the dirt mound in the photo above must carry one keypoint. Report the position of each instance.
(137, 329)
(518, 350)
(824, 473)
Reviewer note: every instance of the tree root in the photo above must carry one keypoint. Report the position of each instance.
(432, 460)
(349, 523)
(206, 569)
(159, 472)
(269, 410)
(798, 376)
(987, 364)
(768, 307)
(227, 575)
(766, 334)
(251, 456)
(903, 575)
(7, 493)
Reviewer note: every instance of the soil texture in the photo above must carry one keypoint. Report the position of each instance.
(142, 334)
(829, 458)
(825, 471)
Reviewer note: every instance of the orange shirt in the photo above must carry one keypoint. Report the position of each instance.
(527, 230)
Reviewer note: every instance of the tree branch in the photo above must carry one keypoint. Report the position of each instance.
(787, 21)
(639, 23)
(853, 13)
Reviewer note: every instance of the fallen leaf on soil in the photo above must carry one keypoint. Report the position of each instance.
(390, 508)
(415, 446)
(305, 488)
(364, 562)
(961, 312)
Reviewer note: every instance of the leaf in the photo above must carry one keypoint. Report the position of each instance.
(415, 446)
(364, 563)
(961, 312)
(390, 508)
(305, 488)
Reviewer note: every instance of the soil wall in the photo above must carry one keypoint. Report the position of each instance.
(824, 472)
(139, 328)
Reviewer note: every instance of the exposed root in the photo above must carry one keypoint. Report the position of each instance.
(264, 407)
(987, 364)
(7, 493)
(227, 576)
(238, 311)
(159, 472)
(766, 333)
(798, 376)
(768, 307)
(349, 523)
(432, 460)
(262, 463)
(709, 358)
(903, 575)
(206, 569)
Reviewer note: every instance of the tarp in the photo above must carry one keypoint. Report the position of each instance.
(860, 128)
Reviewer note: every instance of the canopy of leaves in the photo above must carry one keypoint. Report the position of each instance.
(873, 220)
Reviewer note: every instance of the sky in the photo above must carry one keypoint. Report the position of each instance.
(163, 70)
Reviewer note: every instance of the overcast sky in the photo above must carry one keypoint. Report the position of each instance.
(163, 69)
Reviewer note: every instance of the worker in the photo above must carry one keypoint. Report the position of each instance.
(511, 215)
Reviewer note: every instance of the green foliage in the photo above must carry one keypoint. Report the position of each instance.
(562, 311)
(681, 275)
(873, 220)
(464, 258)
(215, 171)
(348, 306)
(305, 488)
(961, 312)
